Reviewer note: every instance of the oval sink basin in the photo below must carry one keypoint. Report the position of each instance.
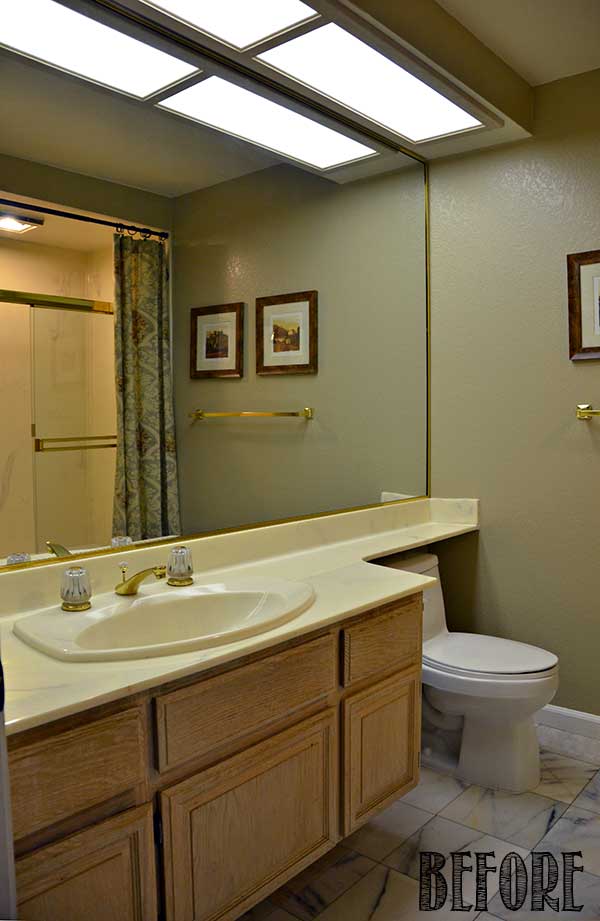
(165, 621)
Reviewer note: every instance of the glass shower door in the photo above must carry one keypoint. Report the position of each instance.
(74, 413)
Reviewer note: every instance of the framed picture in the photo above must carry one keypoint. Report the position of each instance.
(217, 341)
(584, 305)
(287, 334)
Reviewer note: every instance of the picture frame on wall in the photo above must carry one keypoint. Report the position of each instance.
(287, 333)
(583, 270)
(217, 341)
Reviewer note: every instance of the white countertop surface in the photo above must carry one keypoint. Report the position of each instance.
(41, 689)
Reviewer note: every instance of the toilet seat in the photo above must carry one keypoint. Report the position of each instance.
(469, 664)
(473, 655)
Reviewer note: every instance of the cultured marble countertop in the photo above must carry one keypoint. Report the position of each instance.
(40, 689)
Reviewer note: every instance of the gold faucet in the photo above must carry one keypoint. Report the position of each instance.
(57, 549)
(130, 586)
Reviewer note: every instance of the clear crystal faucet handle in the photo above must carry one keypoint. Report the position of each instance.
(75, 589)
(180, 568)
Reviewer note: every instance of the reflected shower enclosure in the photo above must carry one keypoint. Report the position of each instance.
(58, 458)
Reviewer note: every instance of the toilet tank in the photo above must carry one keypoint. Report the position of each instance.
(434, 614)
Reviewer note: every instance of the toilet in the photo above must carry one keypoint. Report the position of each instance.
(483, 688)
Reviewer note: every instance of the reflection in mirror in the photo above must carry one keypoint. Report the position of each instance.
(304, 293)
(361, 248)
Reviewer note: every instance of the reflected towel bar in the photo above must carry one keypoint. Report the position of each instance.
(65, 444)
(306, 413)
(585, 411)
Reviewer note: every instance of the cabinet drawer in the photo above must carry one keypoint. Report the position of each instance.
(236, 831)
(218, 711)
(389, 640)
(382, 731)
(75, 770)
(102, 874)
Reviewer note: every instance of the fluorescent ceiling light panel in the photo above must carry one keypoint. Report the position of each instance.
(234, 110)
(339, 65)
(13, 223)
(56, 35)
(237, 22)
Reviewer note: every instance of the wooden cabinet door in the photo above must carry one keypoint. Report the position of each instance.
(235, 831)
(382, 727)
(102, 874)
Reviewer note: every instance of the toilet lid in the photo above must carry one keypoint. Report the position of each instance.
(491, 654)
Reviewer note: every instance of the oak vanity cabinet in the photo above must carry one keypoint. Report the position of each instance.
(104, 873)
(251, 820)
(382, 722)
(215, 790)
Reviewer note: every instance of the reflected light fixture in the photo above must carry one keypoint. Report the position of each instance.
(348, 71)
(59, 36)
(16, 223)
(239, 23)
(230, 108)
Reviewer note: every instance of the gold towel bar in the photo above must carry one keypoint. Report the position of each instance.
(585, 411)
(200, 414)
(66, 444)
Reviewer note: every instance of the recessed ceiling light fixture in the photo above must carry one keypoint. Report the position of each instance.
(230, 108)
(348, 71)
(57, 35)
(16, 223)
(239, 23)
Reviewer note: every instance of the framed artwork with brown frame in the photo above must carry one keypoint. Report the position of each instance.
(583, 270)
(287, 332)
(217, 341)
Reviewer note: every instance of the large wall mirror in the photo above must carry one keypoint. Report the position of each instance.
(157, 385)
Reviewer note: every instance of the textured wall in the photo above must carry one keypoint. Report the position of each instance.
(362, 247)
(504, 389)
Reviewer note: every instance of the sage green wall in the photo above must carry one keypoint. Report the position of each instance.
(505, 391)
(36, 180)
(362, 247)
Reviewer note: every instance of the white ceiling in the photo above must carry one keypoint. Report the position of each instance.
(542, 40)
(68, 123)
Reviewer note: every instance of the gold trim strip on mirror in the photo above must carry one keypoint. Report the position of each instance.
(65, 444)
(306, 413)
(57, 302)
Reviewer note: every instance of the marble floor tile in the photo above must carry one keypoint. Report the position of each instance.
(576, 830)
(586, 891)
(484, 916)
(308, 894)
(307, 876)
(434, 791)
(521, 818)
(563, 778)
(589, 798)
(381, 835)
(445, 837)
(384, 895)
(570, 744)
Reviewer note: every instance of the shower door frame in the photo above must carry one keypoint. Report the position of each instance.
(57, 302)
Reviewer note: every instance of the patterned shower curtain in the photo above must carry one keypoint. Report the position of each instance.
(146, 500)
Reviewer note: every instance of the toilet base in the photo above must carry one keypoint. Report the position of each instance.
(499, 754)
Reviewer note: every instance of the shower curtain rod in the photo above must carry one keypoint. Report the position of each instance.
(120, 228)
